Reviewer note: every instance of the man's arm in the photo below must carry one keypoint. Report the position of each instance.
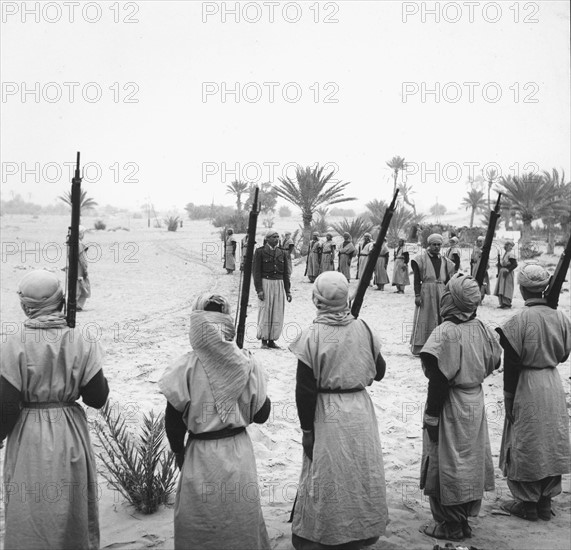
(257, 270)
(287, 276)
(10, 407)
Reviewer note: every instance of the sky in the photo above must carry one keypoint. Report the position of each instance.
(171, 101)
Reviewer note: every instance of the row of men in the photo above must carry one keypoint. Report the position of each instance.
(272, 273)
(213, 449)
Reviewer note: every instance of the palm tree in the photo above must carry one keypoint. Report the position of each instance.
(86, 203)
(531, 197)
(406, 191)
(562, 210)
(267, 198)
(307, 191)
(376, 211)
(396, 164)
(491, 175)
(357, 227)
(401, 223)
(237, 188)
(475, 201)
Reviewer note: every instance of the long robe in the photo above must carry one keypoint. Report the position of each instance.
(217, 504)
(475, 263)
(505, 283)
(271, 310)
(380, 274)
(50, 477)
(346, 253)
(83, 283)
(314, 259)
(536, 445)
(459, 468)
(230, 256)
(400, 269)
(341, 494)
(363, 255)
(427, 316)
(327, 256)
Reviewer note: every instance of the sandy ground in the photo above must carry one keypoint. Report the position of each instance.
(143, 283)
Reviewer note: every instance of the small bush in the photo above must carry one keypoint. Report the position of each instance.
(528, 250)
(142, 471)
(238, 222)
(99, 225)
(173, 223)
(268, 222)
(284, 212)
(345, 212)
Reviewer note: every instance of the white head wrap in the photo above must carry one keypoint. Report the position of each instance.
(533, 277)
(435, 238)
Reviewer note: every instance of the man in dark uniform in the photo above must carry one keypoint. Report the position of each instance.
(272, 282)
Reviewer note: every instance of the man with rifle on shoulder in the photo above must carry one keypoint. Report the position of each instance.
(338, 357)
(535, 444)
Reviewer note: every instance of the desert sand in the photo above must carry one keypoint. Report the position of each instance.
(143, 283)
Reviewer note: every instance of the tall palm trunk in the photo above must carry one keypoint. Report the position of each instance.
(307, 219)
(472, 217)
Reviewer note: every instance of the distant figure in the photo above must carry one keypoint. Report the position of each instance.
(83, 283)
(475, 262)
(381, 277)
(400, 270)
(314, 257)
(288, 246)
(505, 283)
(453, 253)
(431, 272)
(535, 443)
(49, 459)
(214, 392)
(346, 253)
(243, 249)
(272, 281)
(230, 252)
(327, 254)
(363, 253)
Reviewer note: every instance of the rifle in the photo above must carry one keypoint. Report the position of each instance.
(557, 279)
(73, 248)
(487, 246)
(224, 241)
(307, 261)
(372, 258)
(247, 277)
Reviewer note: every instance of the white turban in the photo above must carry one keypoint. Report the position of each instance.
(533, 277)
(435, 238)
(461, 297)
(40, 293)
(271, 233)
(330, 291)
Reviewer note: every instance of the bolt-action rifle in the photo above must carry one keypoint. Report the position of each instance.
(247, 276)
(558, 278)
(372, 258)
(487, 246)
(73, 248)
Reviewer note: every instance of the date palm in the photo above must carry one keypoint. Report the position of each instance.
(396, 164)
(491, 175)
(561, 211)
(237, 188)
(308, 191)
(86, 203)
(376, 210)
(357, 227)
(475, 201)
(532, 197)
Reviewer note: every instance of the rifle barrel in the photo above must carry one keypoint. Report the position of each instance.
(372, 258)
(73, 247)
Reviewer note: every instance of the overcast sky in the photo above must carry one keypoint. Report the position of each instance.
(348, 84)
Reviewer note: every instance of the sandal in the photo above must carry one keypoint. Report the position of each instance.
(443, 531)
(523, 510)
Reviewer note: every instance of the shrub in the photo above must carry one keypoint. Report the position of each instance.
(268, 222)
(528, 250)
(173, 223)
(345, 212)
(284, 212)
(99, 225)
(142, 471)
(237, 221)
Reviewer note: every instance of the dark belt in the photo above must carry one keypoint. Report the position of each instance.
(218, 434)
(339, 390)
(48, 404)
